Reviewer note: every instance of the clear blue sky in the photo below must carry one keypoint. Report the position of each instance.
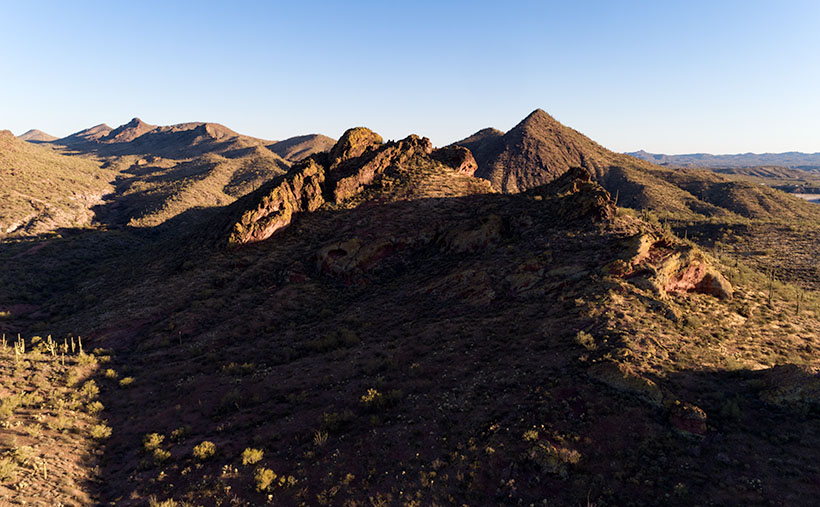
(665, 76)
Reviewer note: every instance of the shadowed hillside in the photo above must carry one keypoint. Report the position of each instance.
(379, 326)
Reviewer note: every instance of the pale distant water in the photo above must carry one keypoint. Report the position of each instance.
(809, 197)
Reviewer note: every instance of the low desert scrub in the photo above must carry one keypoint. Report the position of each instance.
(100, 431)
(251, 456)
(204, 450)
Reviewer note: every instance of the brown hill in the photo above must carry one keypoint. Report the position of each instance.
(539, 149)
(41, 190)
(36, 136)
(301, 147)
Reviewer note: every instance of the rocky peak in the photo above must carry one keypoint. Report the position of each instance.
(128, 132)
(353, 143)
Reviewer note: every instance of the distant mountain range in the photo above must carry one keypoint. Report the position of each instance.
(791, 159)
(183, 140)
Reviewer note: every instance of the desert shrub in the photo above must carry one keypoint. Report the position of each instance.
(373, 399)
(100, 432)
(110, 374)
(238, 369)
(126, 381)
(337, 339)
(180, 433)
(585, 340)
(153, 502)
(89, 390)
(152, 441)
(204, 450)
(161, 456)
(251, 456)
(95, 407)
(264, 478)
(8, 469)
(9, 404)
(333, 421)
(320, 438)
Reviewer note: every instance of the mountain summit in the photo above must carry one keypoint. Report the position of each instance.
(128, 132)
(534, 152)
(36, 136)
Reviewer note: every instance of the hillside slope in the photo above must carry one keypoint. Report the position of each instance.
(301, 147)
(41, 190)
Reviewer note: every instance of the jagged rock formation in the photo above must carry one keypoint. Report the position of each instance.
(357, 160)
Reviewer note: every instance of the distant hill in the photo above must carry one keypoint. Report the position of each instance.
(792, 159)
(184, 140)
(539, 149)
(301, 147)
(86, 136)
(41, 190)
(35, 136)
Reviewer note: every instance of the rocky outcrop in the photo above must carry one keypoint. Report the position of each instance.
(291, 194)
(689, 272)
(580, 196)
(666, 266)
(457, 157)
(688, 419)
(357, 160)
(351, 178)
